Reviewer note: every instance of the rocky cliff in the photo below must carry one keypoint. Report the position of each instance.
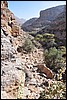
(46, 16)
(10, 77)
(50, 13)
(57, 27)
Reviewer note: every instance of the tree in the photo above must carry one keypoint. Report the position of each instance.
(54, 59)
(47, 40)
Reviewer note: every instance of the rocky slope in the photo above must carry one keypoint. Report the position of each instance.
(46, 16)
(20, 71)
(10, 79)
(23, 74)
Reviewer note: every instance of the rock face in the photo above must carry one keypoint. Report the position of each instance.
(10, 77)
(51, 13)
(8, 19)
(46, 16)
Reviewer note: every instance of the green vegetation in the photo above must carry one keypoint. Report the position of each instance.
(55, 91)
(54, 55)
(32, 33)
(47, 40)
(38, 37)
(28, 45)
(54, 58)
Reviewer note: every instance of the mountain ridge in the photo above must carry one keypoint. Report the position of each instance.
(45, 18)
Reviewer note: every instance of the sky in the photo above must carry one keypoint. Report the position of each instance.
(30, 9)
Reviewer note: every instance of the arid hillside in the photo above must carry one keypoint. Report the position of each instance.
(25, 73)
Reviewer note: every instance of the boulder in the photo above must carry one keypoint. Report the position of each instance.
(45, 70)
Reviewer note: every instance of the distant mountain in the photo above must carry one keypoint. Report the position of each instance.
(28, 23)
(57, 24)
(57, 27)
(20, 21)
(46, 16)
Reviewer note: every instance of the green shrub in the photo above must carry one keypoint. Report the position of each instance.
(63, 49)
(47, 35)
(47, 40)
(54, 58)
(28, 45)
(55, 91)
(38, 37)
